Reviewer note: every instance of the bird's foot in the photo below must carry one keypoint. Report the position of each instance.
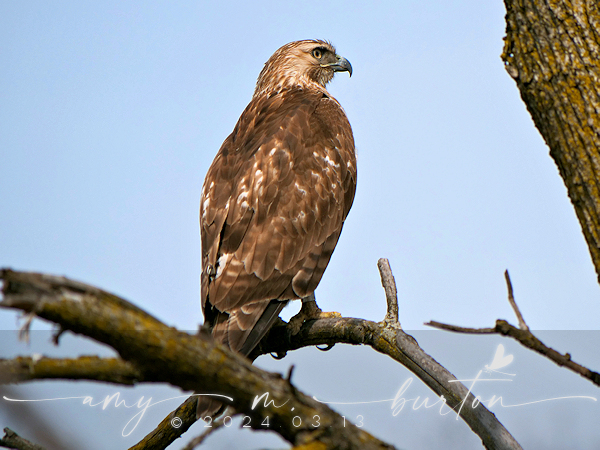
(309, 311)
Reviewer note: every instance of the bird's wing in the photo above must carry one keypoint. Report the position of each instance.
(273, 206)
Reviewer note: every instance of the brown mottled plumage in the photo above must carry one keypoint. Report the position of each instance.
(276, 195)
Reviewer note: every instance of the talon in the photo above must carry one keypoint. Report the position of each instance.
(325, 349)
(278, 355)
(295, 324)
(309, 311)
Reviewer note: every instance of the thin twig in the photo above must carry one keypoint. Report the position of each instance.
(525, 337)
(391, 293)
(511, 300)
(444, 326)
(25, 328)
(529, 340)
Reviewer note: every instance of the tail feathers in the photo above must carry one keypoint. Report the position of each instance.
(241, 331)
(264, 324)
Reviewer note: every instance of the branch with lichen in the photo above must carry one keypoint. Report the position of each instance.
(46, 295)
(194, 363)
(388, 338)
(385, 337)
(90, 368)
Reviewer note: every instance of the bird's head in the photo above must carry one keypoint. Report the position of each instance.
(301, 63)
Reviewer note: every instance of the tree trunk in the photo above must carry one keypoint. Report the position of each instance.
(552, 51)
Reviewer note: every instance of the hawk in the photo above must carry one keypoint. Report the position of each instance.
(276, 197)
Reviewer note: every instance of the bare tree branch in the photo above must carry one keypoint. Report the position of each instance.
(404, 349)
(392, 341)
(391, 293)
(93, 368)
(383, 337)
(456, 328)
(195, 363)
(171, 427)
(525, 337)
(511, 300)
(13, 440)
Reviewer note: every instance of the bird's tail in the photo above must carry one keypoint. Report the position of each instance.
(265, 316)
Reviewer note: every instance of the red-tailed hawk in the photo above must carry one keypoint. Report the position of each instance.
(276, 195)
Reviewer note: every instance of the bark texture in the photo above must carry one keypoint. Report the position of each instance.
(552, 51)
(152, 352)
(194, 363)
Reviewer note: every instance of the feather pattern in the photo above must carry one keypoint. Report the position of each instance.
(276, 196)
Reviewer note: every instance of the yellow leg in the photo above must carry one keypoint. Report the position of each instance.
(309, 311)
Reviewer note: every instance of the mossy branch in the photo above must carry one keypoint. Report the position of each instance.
(165, 354)
(196, 363)
(92, 368)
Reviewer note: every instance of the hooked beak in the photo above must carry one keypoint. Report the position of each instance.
(340, 65)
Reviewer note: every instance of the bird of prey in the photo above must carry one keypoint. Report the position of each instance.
(276, 197)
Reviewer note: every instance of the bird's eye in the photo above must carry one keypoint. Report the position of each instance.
(317, 53)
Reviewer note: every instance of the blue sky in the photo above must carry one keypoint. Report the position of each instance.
(111, 113)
